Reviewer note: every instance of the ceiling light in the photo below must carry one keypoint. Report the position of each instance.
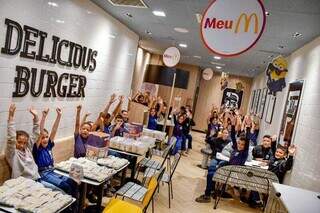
(148, 32)
(296, 35)
(111, 36)
(159, 13)
(53, 4)
(59, 21)
(217, 57)
(216, 63)
(267, 13)
(129, 15)
(89, 12)
(199, 17)
(281, 47)
(181, 30)
(196, 56)
(183, 45)
(218, 67)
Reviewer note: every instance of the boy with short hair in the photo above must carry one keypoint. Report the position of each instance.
(117, 129)
(263, 152)
(19, 145)
(42, 153)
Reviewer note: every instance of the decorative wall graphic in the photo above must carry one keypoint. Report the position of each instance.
(171, 56)
(231, 98)
(224, 80)
(230, 28)
(270, 109)
(64, 85)
(276, 73)
(207, 74)
(257, 99)
(262, 102)
(239, 86)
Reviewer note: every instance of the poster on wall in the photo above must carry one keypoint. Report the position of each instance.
(252, 100)
(232, 98)
(262, 102)
(270, 108)
(276, 72)
(256, 106)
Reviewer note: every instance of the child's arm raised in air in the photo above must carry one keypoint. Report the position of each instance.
(42, 124)
(118, 108)
(84, 119)
(36, 128)
(55, 124)
(11, 136)
(111, 101)
(77, 125)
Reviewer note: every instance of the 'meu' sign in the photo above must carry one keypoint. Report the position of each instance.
(231, 27)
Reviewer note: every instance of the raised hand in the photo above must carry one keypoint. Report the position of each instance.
(87, 114)
(112, 98)
(79, 107)
(12, 110)
(121, 98)
(59, 111)
(292, 150)
(45, 112)
(33, 112)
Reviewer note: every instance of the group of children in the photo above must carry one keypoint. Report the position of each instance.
(232, 135)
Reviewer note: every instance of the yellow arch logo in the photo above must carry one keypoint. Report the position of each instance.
(247, 21)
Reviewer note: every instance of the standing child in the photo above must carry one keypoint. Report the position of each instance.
(19, 145)
(42, 153)
(178, 134)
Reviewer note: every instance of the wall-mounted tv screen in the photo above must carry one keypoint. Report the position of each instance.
(162, 75)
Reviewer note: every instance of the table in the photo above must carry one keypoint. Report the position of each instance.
(13, 210)
(135, 158)
(284, 198)
(247, 177)
(85, 181)
(169, 124)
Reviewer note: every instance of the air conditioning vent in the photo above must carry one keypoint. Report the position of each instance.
(129, 3)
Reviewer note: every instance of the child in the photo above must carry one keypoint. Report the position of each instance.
(117, 129)
(81, 134)
(19, 146)
(188, 123)
(42, 153)
(153, 118)
(178, 134)
(263, 152)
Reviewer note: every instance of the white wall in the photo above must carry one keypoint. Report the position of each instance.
(304, 64)
(84, 23)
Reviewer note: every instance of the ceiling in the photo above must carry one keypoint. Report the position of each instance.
(286, 17)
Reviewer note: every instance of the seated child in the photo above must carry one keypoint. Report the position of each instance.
(178, 134)
(263, 152)
(19, 145)
(81, 134)
(153, 118)
(42, 153)
(117, 129)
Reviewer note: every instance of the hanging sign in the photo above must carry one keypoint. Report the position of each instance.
(276, 72)
(207, 74)
(171, 57)
(230, 27)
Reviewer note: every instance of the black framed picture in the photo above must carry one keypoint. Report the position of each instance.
(232, 98)
(270, 108)
(257, 99)
(252, 100)
(262, 104)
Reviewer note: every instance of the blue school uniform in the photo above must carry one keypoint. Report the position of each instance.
(43, 156)
(152, 123)
(178, 134)
(80, 146)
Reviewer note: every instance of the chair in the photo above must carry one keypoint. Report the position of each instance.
(167, 176)
(133, 192)
(165, 154)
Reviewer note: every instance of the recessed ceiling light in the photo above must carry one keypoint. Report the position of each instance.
(270, 56)
(267, 13)
(181, 30)
(197, 56)
(281, 47)
(59, 21)
(53, 4)
(129, 15)
(199, 17)
(183, 45)
(217, 57)
(89, 12)
(159, 13)
(296, 35)
(218, 67)
(111, 36)
(216, 63)
(148, 32)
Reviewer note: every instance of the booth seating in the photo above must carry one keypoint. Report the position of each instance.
(63, 150)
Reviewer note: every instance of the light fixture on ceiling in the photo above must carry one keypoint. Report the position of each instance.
(218, 67)
(296, 35)
(89, 12)
(199, 17)
(60, 21)
(159, 13)
(111, 36)
(53, 4)
(148, 32)
(183, 45)
(281, 47)
(197, 56)
(217, 57)
(267, 13)
(181, 30)
(129, 15)
(216, 63)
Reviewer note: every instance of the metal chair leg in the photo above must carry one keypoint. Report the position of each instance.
(169, 195)
(171, 189)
